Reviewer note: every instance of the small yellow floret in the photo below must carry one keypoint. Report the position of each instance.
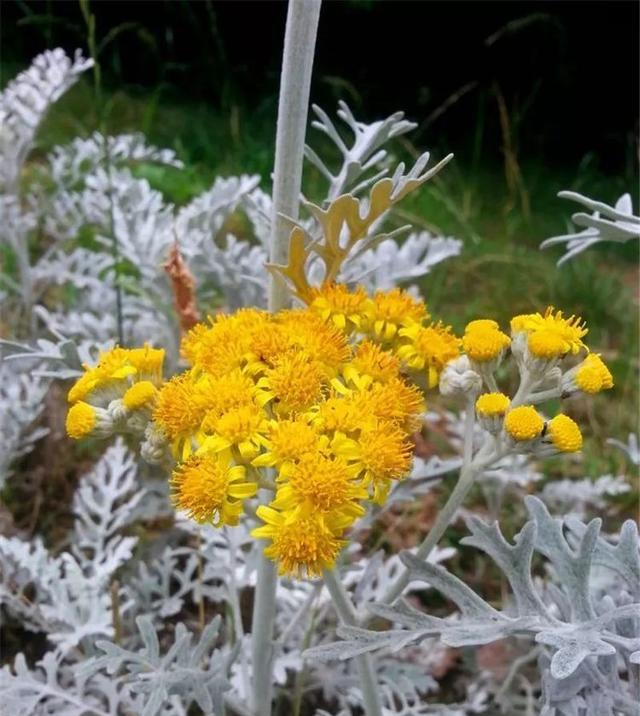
(321, 482)
(239, 425)
(180, 406)
(83, 386)
(139, 395)
(546, 344)
(430, 347)
(148, 361)
(558, 335)
(288, 440)
(564, 433)
(340, 414)
(372, 361)
(209, 490)
(392, 309)
(344, 308)
(324, 342)
(482, 324)
(300, 546)
(592, 375)
(81, 420)
(395, 401)
(296, 381)
(523, 423)
(381, 453)
(492, 404)
(483, 342)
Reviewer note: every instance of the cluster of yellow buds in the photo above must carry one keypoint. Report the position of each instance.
(117, 394)
(541, 345)
(313, 405)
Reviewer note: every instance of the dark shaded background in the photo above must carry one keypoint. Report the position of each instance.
(566, 72)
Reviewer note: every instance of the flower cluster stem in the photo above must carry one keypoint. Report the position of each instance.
(447, 513)
(293, 105)
(347, 614)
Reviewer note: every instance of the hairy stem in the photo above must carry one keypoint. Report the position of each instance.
(446, 514)
(347, 614)
(293, 105)
(263, 618)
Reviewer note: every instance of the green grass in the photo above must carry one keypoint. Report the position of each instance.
(501, 271)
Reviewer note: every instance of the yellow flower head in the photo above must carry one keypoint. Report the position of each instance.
(482, 324)
(82, 388)
(592, 375)
(393, 309)
(319, 483)
(564, 434)
(322, 341)
(524, 423)
(268, 344)
(373, 362)
(180, 406)
(430, 347)
(550, 335)
(492, 404)
(113, 369)
(226, 344)
(394, 401)
(301, 546)
(347, 310)
(337, 413)
(483, 341)
(81, 420)
(208, 489)
(226, 392)
(296, 382)
(288, 441)
(139, 395)
(380, 454)
(148, 362)
(242, 427)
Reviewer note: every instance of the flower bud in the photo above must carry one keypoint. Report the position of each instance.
(458, 378)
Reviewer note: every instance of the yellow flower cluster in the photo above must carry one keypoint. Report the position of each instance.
(312, 405)
(131, 376)
(395, 320)
(539, 343)
(288, 392)
(292, 401)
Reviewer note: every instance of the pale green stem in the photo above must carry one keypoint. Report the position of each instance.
(527, 382)
(234, 598)
(264, 611)
(347, 614)
(544, 395)
(293, 105)
(446, 514)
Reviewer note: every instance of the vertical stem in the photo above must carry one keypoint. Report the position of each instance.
(347, 614)
(263, 618)
(293, 105)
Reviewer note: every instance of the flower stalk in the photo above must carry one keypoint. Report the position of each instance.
(293, 107)
(295, 85)
(347, 614)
